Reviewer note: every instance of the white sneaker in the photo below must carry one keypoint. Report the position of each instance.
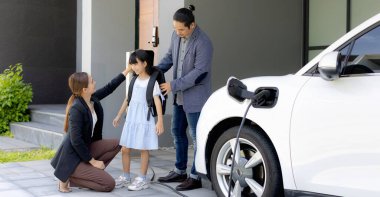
(138, 184)
(122, 181)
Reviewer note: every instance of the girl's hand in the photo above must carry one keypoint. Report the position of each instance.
(116, 121)
(97, 164)
(159, 127)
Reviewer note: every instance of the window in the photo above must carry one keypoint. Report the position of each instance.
(327, 20)
(365, 54)
(322, 15)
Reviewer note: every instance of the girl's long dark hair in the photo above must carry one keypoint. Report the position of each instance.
(143, 56)
(77, 81)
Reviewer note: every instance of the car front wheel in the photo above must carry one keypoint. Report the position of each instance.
(256, 167)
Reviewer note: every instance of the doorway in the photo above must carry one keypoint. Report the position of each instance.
(148, 35)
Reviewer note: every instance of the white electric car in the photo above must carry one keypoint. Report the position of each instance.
(315, 133)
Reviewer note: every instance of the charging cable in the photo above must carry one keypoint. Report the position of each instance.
(234, 150)
(257, 99)
(239, 91)
(163, 184)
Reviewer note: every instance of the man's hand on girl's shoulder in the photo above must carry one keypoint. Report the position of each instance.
(166, 88)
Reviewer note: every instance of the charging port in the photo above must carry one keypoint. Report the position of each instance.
(270, 100)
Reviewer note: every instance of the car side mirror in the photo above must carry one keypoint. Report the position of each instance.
(329, 66)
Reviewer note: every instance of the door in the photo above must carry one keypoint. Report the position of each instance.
(335, 126)
(148, 19)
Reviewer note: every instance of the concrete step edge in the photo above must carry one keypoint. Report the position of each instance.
(48, 113)
(38, 129)
(37, 136)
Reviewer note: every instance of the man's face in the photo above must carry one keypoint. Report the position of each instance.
(181, 30)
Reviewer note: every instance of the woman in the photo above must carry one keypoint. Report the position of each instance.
(83, 154)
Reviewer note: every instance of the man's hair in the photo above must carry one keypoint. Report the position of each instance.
(185, 15)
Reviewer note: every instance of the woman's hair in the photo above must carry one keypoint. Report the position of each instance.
(143, 56)
(77, 81)
(185, 15)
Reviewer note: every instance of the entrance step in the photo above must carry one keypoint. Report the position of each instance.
(40, 134)
(48, 114)
(45, 128)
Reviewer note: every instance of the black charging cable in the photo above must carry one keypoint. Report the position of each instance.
(257, 99)
(234, 150)
(163, 184)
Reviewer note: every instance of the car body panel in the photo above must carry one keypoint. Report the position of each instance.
(335, 132)
(325, 133)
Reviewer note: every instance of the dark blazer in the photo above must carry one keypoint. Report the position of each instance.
(195, 82)
(75, 145)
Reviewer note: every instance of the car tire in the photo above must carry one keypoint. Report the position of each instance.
(256, 171)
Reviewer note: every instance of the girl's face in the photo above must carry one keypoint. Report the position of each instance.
(139, 67)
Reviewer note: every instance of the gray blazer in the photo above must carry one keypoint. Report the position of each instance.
(195, 81)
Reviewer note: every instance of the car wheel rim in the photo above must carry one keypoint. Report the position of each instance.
(249, 174)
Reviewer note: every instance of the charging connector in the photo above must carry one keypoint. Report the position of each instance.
(263, 97)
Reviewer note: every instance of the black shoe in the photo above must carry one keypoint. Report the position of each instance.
(173, 177)
(189, 184)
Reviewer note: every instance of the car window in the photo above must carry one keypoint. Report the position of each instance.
(365, 54)
(344, 53)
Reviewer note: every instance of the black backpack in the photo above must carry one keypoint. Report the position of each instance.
(158, 76)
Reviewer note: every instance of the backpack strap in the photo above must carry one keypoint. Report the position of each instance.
(149, 93)
(130, 88)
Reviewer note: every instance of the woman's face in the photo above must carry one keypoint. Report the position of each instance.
(139, 67)
(91, 85)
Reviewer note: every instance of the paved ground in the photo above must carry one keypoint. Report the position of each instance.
(35, 178)
(10, 144)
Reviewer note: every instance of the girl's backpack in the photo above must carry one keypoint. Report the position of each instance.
(158, 76)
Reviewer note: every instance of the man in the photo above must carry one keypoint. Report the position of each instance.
(190, 54)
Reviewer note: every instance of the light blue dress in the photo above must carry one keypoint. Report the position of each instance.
(138, 132)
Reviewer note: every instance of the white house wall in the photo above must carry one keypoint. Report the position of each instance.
(103, 46)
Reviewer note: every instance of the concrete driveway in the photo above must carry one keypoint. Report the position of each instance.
(35, 178)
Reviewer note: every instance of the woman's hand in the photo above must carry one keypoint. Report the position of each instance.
(97, 164)
(127, 70)
(159, 127)
(116, 121)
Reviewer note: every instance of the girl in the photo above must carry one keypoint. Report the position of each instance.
(138, 132)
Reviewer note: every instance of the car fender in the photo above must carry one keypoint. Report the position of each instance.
(275, 121)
